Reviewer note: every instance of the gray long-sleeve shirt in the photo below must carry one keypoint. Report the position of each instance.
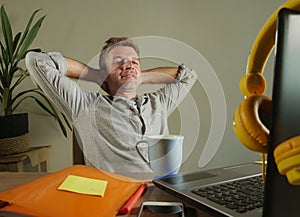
(109, 127)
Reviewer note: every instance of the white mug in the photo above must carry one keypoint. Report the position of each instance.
(164, 153)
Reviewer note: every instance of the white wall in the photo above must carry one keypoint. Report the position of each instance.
(221, 31)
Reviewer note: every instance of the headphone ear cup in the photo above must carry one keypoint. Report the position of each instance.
(251, 121)
(287, 158)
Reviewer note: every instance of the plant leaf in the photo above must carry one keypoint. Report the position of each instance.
(20, 94)
(55, 115)
(66, 121)
(52, 111)
(7, 32)
(29, 38)
(5, 59)
(1, 71)
(24, 72)
(26, 30)
(18, 81)
(16, 40)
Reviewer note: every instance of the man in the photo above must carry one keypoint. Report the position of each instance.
(110, 125)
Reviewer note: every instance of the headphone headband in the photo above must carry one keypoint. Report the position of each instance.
(253, 82)
(252, 118)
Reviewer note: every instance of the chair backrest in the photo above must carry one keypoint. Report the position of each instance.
(77, 152)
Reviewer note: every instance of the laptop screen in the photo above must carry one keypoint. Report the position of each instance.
(281, 198)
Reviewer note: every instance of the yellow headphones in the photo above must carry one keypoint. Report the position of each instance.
(252, 117)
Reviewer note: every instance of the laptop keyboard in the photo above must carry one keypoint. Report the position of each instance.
(240, 195)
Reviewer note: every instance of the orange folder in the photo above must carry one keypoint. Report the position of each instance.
(41, 197)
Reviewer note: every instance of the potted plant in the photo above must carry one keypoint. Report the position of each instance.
(14, 126)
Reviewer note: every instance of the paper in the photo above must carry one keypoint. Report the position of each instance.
(84, 185)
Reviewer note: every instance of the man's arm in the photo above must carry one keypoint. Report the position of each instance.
(159, 75)
(79, 70)
(173, 93)
(46, 70)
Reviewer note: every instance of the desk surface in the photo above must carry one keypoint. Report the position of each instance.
(12, 179)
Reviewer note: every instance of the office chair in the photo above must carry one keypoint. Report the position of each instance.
(78, 157)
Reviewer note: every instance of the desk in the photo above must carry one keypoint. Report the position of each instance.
(35, 156)
(12, 179)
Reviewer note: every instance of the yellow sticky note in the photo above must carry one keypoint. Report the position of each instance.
(83, 185)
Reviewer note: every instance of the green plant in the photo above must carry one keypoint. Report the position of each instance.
(13, 51)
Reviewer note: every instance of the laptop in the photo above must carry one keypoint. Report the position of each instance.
(276, 197)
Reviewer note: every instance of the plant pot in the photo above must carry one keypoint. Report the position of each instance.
(14, 136)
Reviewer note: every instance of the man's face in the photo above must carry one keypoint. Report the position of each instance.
(123, 68)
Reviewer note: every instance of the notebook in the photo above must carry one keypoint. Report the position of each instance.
(276, 197)
(75, 191)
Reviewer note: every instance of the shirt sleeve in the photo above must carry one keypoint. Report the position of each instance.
(47, 71)
(173, 94)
